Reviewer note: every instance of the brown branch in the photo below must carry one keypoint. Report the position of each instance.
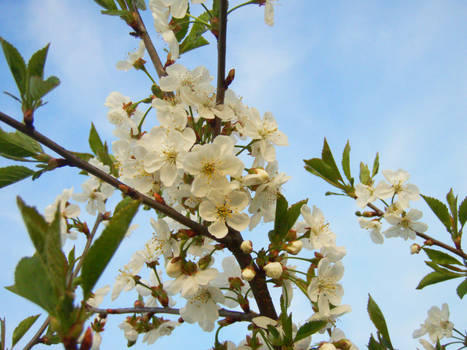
(35, 338)
(142, 32)
(232, 240)
(221, 49)
(233, 315)
(432, 240)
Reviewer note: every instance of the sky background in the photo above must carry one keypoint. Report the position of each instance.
(387, 76)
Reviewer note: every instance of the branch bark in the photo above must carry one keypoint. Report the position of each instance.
(35, 338)
(221, 49)
(234, 315)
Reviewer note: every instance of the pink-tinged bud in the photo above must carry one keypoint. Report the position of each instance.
(415, 248)
(343, 344)
(174, 268)
(248, 273)
(273, 269)
(246, 247)
(294, 247)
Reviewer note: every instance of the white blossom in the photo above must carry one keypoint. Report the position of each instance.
(437, 324)
(202, 307)
(405, 225)
(374, 226)
(127, 64)
(319, 233)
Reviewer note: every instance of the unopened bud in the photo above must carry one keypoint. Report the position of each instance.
(415, 248)
(230, 77)
(343, 344)
(248, 273)
(138, 303)
(86, 342)
(294, 247)
(273, 269)
(174, 267)
(246, 247)
(327, 346)
(163, 298)
(204, 262)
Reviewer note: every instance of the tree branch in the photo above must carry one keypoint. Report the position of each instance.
(456, 251)
(234, 315)
(142, 32)
(35, 338)
(221, 49)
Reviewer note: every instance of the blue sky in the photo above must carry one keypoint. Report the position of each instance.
(388, 76)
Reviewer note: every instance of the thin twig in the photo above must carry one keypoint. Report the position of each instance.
(35, 338)
(432, 240)
(234, 315)
(221, 49)
(143, 34)
(89, 239)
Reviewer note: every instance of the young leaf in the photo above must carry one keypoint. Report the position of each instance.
(2, 334)
(327, 157)
(441, 257)
(37, 61)
(319, 168)
(308, 329)
(436, 277)
(38, 88)
(95, 141)
(462, 288)
(22, 328)
(18, 145)
(375, 165)
(32, 283)
(293, 213)
(280, 219)
(440, 210)
(452, 201)
(194, 39)
(346, 162)
(180, 26)
(107, 4)
(105, 246)
(16, 63)
(12, 174)
(364, 174)
(374, 345)
(46, 240)
(378, 320)
(463, 212)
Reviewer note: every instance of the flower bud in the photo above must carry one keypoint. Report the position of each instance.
(246, 247)
(248, 273)
(294, 247)
(256, 176)
(273, 269)
(343, 344)
(415, 248)
(327, 346)
(204, 262)
(174, 268)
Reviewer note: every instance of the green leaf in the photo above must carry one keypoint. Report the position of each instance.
(46, 240)
(107, 4)
(321, 169)
(32, 283)
(463, 212)
(194, 39)
(280, 219)
(12, 174)
(452, 201)
(462, 289)
(436, 277)
(441, 257)
(364, 174)
(22, 328)
(378, 320)
(440, 210)
(293, 213)
(38, 88)
(140, 4)
(308, 329)
(346, 162)
(105, 246)
(2, 334)
(37, 61)
(274, 336)
(374, 345)
(100, 149)
(375, 165)
(17, 144)
(180, 26)
(16, 63)
(327, 157)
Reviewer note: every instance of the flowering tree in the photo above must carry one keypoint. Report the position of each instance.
(204, 164)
